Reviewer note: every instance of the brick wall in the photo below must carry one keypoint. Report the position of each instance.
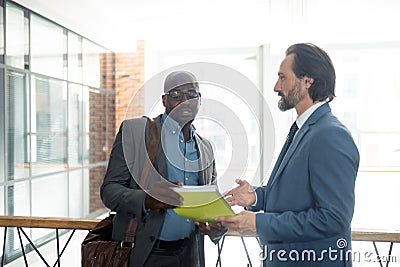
(122, 76)
(129, 78)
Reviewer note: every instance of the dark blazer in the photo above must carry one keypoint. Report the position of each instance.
(120, 192)
(308, 202)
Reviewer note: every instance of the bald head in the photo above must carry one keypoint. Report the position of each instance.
(178, 78)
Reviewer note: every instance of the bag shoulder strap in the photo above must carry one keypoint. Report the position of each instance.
(153, 140)
(131, 231)
(151, 152)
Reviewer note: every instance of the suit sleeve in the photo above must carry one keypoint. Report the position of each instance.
(117, 192)
(333, 164)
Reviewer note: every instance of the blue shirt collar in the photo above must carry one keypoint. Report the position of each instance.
(173, 127)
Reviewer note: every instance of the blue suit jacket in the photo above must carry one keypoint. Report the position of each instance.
(308, 202)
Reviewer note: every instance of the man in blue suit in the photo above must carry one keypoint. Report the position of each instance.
(307, 205)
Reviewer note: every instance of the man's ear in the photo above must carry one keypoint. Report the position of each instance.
(164, 99)
(309, 81)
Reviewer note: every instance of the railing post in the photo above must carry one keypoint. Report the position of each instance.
(58, 248)
(4, 247)
(22, 246)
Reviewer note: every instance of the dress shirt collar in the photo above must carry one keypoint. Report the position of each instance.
(304, 117)
(172, 126)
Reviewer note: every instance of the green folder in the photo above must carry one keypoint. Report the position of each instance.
(202, 203)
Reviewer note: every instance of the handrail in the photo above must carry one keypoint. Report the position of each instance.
(48, 222)
(375, 235)
(359, 235)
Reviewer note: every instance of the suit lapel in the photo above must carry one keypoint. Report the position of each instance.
(205, 157)
(276, 167)
(284, 159)
(161, 158)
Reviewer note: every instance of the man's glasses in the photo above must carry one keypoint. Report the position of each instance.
(178, 95)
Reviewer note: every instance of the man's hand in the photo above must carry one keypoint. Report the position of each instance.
(244, 223)
(242, 195)
(161, 196)
(212, 230)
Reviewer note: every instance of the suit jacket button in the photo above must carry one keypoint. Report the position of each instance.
(152, 238)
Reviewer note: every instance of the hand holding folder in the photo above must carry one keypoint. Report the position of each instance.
(202, 203)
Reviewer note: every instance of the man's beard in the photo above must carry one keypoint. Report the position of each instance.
(182, 117)
(293, 97)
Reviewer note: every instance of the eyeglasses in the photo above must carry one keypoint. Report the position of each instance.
(178, 95)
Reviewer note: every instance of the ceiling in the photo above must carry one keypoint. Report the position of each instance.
(175, 23)
(191, 24)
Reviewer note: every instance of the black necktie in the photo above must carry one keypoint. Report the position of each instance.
(289, 139)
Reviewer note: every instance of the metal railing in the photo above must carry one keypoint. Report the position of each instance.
(20, 222)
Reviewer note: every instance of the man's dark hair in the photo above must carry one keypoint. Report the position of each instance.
(312, 61)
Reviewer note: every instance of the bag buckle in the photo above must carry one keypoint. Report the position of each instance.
(127, 244)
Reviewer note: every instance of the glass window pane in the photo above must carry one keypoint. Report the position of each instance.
(16, 36)
(379, 197)
(91, 61)
(45, 112)
(49, 196)
(380, 149)
(49, 199)
(86, 191)
(49, 124)
(85, 125)
(17, 124)
(2, 131)
(2, 212)
(76, 201)
(373, 128)
(1, 36)
(48, 47)
(75, 126)
(18, 203)
(74, 58)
